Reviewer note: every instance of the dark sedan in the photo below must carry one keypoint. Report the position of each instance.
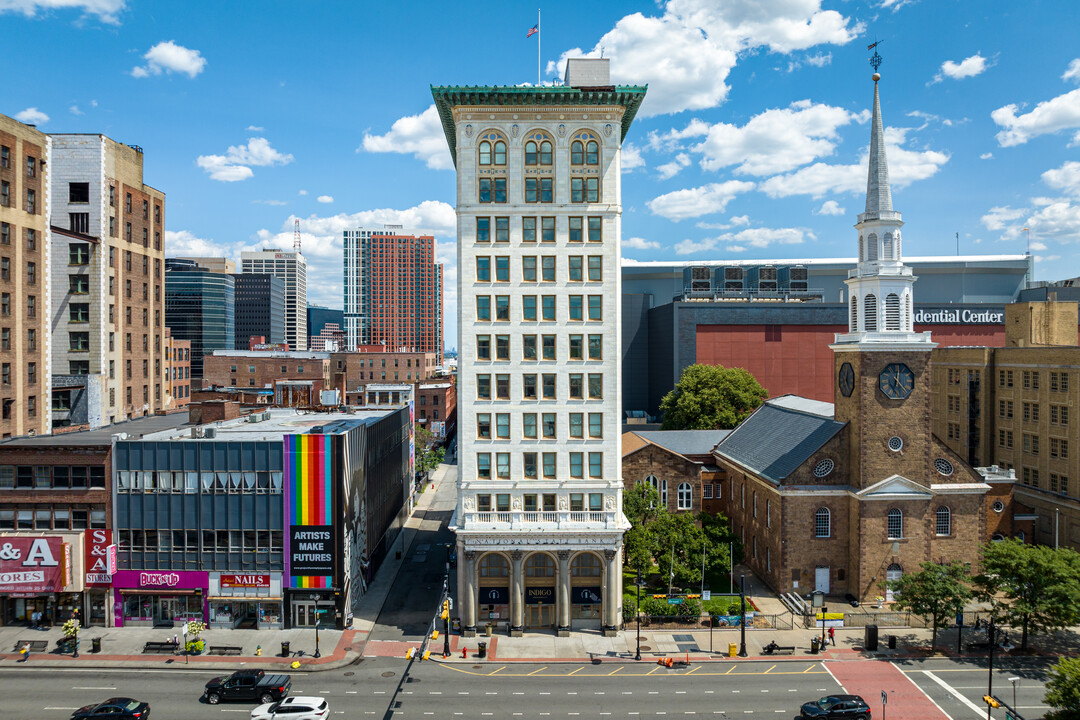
(114, 708)
(837, 707)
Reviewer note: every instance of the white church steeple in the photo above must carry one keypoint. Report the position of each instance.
(880, 297)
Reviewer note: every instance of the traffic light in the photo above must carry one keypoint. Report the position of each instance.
(445, 614)
(991, 701)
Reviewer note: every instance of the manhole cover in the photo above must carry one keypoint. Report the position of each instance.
(646, 647)
(389, 674)
(477, 667)
(682, 637)
(349, 674)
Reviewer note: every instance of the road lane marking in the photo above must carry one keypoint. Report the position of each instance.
(615, 670)
(950, 689)
(50, 707)
(495, 671)
(536, 671)
(770, 670)
(350, 692)
(696, 668)
(576, 671)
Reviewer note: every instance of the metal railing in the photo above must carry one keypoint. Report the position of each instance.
(519, 518)
(753, 294)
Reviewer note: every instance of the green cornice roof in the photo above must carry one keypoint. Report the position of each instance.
(449, 97)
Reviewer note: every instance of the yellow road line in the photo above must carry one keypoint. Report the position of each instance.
(616, 670)
(770, 670)
(653, 670)
(576, 671)
(731, 671)
(810, 668)
(536, 671)
(696, 668)
(495, 671)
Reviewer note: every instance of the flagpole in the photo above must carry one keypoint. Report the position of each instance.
(538, 39)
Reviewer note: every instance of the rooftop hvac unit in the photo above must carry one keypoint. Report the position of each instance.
(767, 279)
(210, 432)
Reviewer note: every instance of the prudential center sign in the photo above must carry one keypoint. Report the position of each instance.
(966, 316)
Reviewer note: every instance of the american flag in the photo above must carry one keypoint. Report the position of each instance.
(533, 30)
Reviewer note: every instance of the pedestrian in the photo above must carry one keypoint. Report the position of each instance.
(832, 636)
(25, 652)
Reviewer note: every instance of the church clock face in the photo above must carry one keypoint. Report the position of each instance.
(896, 381)
(846, 380)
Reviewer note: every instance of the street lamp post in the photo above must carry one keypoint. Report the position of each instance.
(990, 671)
(742, 616)
(637, 613)
(317, 618)
(76, 653)
(1014, 680)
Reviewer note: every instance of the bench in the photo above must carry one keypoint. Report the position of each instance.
(159, 648)
(225, 650)
(783, 650)
(35, 645)
(978, 645)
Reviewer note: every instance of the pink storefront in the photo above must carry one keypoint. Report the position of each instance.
(160, 598)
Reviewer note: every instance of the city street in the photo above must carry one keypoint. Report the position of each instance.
(377, 688)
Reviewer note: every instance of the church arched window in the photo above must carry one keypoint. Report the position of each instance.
(892, 311)
(943, 521)
(870, 313)
(862, 248)
(896, 524)
(871, 247)
(887, 247)
(822, 523)
(854, 313)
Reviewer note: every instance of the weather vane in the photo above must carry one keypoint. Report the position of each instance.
(876, 59)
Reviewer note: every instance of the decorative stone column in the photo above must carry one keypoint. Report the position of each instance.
(467, 596)
(562, 593)
(517, 593)
(612, 593)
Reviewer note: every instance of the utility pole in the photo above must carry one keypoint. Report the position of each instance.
(990, 671)
(742, 617)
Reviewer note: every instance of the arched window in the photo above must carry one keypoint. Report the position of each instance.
(494, 565)
(896, 524)
(854, 313)
(592, 153)
(577, 153)
(870, 313)
(943, 518)
(871, 247)
(686, 497)
(485, 153)
(500, 152)
(862, 248)
(887, 247)
(823, 523)
(892, 311)
(539, 565)
(530, 153)
(660, 486)
(585, 565)
(896, 247)
(545, 153)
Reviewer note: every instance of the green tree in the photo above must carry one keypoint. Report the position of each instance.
(711, 397)
(936, 593)
(428, 454)
(1031, 586)
(679, 542)
(721, 546)
(1063, 689)
(641, 505)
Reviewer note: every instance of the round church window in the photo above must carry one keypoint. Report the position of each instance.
(943, 466)
(999, 506)
(823, 468)
(896, 443)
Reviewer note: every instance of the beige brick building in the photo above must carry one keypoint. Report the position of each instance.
(176, 379)
(25, 239)
(842, 497)
(1016, 407)
(106, 283)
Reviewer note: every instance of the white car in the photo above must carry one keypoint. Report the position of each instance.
(293, 708)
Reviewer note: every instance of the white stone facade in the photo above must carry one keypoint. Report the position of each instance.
(292, 268)
(560, 533)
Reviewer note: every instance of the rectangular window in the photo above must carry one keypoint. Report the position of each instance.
(528, 229)
(548, 426)
(502, 470)
(577, 189)
(529, 462)
(576, 347)
(596, 347)
(502, 308)
(483, 387)
(596, 386)
(596, 465)
(528, 268)
(483, 268)
(575, 265)
(502, 347)
(596, 307)
(528, 426)
(549, 386)
(5, 193)
(528, 308)
(483, 468)
(483, 426)
(596, 425)
(78, 284)
(502, 387)
(5, 233)
(596, 268)
(577, 230)
(483, 347)
(577, 307)
(577, 386)
(577, 469)
(547, 268)
(547, 309)
(528, 386)
(547, 229)
(706, 491)
(31, 202)
(483, 229)
(528, 347)
(502, 229)
(78, 341)
(548, 347)
(483, 307)
(549, 464)
(502, 426)
(577, 425)
(484, 195)
(79, 222)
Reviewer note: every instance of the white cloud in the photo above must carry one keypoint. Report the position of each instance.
(895, 5)
(327, 199)
(1037, 246)
(777, 140)
(637, 243)
(254, 128)
(631, 157)
(418, 135)
(1065, 178)
(74, 110)
(757, 238)
(820, 179)
(105, 10)
(1072, 72)
(695, 202)
(986, 156)
(1000, 216)
(686, 54)
(1059, 220)
(673, 168)
(830, 207)
(182, 243)
(689, 247)
(235, 164)
(816, 60)
(736, 221)
(168, 57)
(303, 192)
(968, 67)
(32, 116)
(276, 203)
(672, 139)
(1049, 116)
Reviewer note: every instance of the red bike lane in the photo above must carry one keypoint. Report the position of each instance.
(868, 678)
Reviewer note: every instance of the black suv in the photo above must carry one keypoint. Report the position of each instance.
(837, 707)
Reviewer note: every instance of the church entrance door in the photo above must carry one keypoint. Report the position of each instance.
(821, 580)
(891, 575)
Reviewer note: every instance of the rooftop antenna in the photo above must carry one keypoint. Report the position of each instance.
(958, 243)
(296, 236)
(875, 59)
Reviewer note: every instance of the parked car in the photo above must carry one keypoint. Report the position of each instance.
(248, 685)
(116, 708)
(837, 707)
(294, 708)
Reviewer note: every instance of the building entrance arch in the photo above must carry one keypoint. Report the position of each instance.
(493, 596)
(894, 573)
(586, 590)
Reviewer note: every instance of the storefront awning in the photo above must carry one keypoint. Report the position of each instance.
(158, 591)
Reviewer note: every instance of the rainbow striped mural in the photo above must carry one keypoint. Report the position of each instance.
(308, 501)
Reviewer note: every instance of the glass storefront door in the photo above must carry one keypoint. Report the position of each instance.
(166, 609)
(304, 614)
(539, 616)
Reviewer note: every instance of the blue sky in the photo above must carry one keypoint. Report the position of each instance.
(751, 143)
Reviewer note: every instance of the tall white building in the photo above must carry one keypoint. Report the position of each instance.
(292, 268)
(539, 519)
